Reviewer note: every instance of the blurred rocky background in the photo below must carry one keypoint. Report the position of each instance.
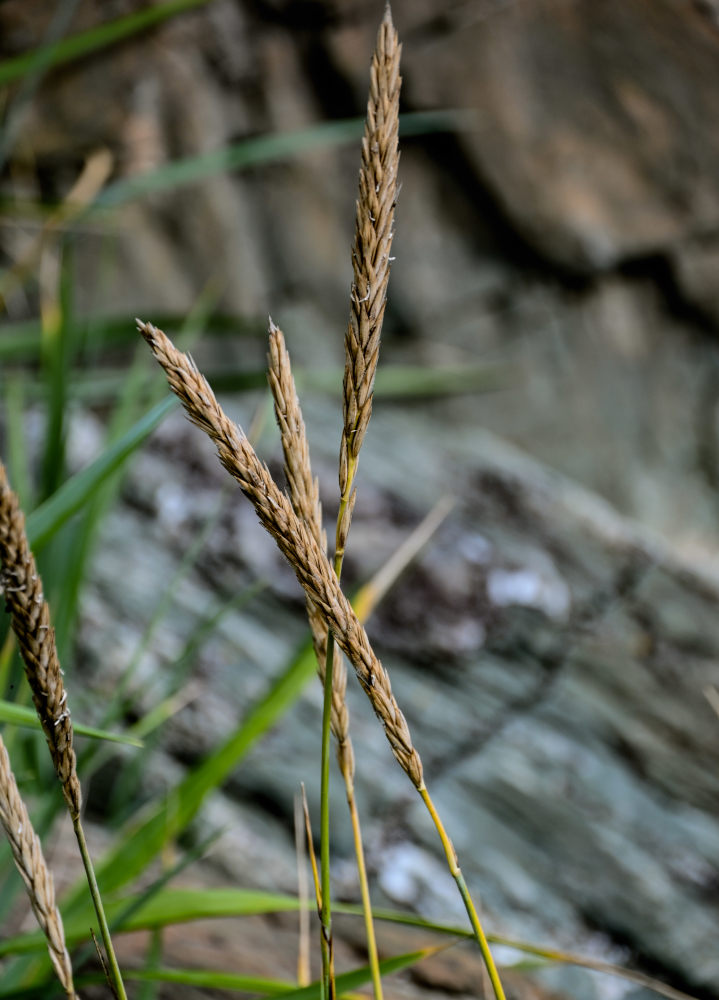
(556, 646)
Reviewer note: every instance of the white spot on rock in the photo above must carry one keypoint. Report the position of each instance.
(529, 588)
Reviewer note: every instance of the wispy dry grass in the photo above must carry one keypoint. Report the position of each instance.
(30, 862)
(295, 541)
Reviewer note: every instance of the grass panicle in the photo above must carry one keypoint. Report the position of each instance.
(30, 862)
(371, 259)
(295, 541)
(30, 616)
(304, 495)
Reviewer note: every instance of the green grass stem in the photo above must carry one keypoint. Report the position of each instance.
(328, 986)
(93, 40)
(373, 955)
(114, 968)
(456, 871)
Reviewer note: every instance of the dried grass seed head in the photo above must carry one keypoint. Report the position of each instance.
(30, 616)
(371, 252)
(30, 862)
(293, 538)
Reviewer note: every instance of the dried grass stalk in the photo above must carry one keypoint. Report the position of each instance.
(304, 494)
(294, 539)
(374, 229)
(30, 862)
(30, 617)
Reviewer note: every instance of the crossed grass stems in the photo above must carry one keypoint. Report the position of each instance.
(295, 522)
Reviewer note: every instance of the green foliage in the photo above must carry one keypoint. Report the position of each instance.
(88, 42)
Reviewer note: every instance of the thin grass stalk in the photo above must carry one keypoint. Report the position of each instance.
(326, 943)
(458, 877)
(30, 617)
(373, 955)
(328, 981)
(30, 862)
(304, 494)
(309, 562)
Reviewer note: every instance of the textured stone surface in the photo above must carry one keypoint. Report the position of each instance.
(554, 689)
(552, 646)
(594, 153)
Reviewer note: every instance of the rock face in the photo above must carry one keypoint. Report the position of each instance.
(551, 658)
(597, 121)
(555, 649)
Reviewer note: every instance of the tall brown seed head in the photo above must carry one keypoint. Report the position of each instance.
(30, 615)
(374, 230)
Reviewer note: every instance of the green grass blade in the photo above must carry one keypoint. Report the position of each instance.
(17, 458)
(164, 603)
(86, 529)
(175, 906)
(19, 715)
(73, 494)
(209, 979)
(135, 903)
(347, 981)
(153, 960)
(93, 39)
(144, 840)
(401, 381)
(21, 341)
(270, 149)
(162, 909)
(58, 347)
(212, 979)
(392, 382)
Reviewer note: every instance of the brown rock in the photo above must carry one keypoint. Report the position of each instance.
(597, 122)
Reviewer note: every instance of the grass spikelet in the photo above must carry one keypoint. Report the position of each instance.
(30, 862)
(304, 494)
(374, 230)
(293, 538)
(30, 617)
